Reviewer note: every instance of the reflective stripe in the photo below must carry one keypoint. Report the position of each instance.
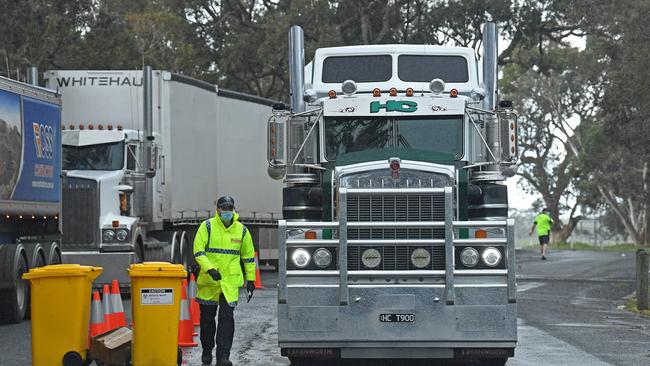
(206, 302)
(223, 251)
(249, 260)
(198, 254)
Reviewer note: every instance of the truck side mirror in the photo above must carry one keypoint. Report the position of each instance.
(276, 152)
(153, 166)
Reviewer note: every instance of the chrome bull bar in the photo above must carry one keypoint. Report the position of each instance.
(450, 241)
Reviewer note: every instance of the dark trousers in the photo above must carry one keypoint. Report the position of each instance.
(224, 331)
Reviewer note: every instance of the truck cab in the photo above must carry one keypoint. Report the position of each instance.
(396, 241)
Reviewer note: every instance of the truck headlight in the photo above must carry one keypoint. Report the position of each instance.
(108, 235)
(322, 258)
(420, 258)
(300, 258)
(121, 235)
(371, 258)
(469, 257)
(491, 257)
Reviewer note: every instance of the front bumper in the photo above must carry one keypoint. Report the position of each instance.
(481, 319)
(115, 265)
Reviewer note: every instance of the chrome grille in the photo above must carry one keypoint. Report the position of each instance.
(396, 258)
(80, 214)
(387, 208)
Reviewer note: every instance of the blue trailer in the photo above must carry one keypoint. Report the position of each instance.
(30, 189)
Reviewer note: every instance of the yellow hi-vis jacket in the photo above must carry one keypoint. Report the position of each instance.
(223, 251)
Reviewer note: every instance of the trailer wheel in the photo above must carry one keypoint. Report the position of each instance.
(494, 361)
(14, 301)
(39, 261)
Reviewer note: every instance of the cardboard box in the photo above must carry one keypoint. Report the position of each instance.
(112, 348)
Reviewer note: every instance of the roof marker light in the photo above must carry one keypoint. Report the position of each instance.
(91, 127)
(81, 127)
(453, 93)
(331, 94)
(393, 92)
(409, 92)
(110, 127)
(71, 127)
(376, 92)
(100, 127)
(120, 128)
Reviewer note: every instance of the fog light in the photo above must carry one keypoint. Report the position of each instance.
(371, 258)
(420, 258)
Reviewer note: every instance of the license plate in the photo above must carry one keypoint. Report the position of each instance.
(397, 318)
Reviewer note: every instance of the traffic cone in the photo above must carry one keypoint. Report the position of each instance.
(108, 309)
(119, 319)
(97, 320)
(195, 309)
(258, 275)
(185, 326)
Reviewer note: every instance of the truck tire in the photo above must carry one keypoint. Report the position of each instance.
(38, 261)
(13, 302)
(55, 255)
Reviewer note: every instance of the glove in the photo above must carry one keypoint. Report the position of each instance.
(214, 274)
(250, 287)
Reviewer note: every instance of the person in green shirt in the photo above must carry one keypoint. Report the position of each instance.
(543, 223)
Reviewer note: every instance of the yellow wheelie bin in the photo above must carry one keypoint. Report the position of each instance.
(60, 301)
(155, 301)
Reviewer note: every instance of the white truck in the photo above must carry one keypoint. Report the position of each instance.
(145, 156)
(396, 241)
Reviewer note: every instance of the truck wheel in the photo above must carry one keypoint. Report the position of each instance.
(39, 262)
(14, 301)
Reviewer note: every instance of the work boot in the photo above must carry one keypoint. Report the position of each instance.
(206, 360)
(224, 362)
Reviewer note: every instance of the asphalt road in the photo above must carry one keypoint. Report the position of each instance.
(569, 314)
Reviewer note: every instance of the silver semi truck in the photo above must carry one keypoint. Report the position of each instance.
(396, 241)
(145, 156)
(30, 189)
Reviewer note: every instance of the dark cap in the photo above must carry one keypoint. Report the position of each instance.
(545, 209)
(226, 202)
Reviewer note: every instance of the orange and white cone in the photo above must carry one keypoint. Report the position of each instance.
(258, 275)
(185, 326)
(195, 309)
(108, 309)
(97, 320)
(119, 319)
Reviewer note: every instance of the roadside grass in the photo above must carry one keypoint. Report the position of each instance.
(624, 248)
(631, 306)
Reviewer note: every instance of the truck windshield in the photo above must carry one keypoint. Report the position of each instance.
(94, 157)
(439, 134)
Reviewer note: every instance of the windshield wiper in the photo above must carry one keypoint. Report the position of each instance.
(401, 140)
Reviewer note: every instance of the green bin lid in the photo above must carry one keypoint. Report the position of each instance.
(157, 269)
(62, 270)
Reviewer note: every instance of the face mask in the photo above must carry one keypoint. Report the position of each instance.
(226, 215)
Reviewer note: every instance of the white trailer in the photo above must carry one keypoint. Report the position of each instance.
(146, 155)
